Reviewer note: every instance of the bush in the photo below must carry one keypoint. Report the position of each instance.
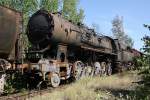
(14, 83)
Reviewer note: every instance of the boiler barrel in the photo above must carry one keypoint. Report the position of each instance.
(48, 28)
(45, 28)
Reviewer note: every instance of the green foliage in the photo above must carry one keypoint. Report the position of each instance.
(50, 5)
(119, 33)
(27, 8)
(8, 86)
(14, 83)
(146, 50)
(146, 47)
(117, 29)
(140, 62)
(80, 16)
(71, 12)
(15, 4)
(143, 90)
(128, 40)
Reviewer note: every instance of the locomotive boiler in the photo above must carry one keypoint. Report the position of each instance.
(46, 29)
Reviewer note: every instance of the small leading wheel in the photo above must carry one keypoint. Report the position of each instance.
(55, 80)
(78, 69)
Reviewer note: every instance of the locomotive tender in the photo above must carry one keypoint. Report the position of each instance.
(66, 50)
(9, 28)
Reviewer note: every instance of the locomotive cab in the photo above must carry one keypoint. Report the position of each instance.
(124, 56)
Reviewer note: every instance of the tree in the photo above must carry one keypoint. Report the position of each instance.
(117, 28)
(26, 7)
(146, 40)
(119, 33)
(147, 26)
(146, 49)
(50, 5)
(95, 26)
(14, 4)
(128, 40)
(71, 12)
(142, 92)
(80, 16)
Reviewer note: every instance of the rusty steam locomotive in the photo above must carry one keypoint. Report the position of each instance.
(62, 49)
(59, 50)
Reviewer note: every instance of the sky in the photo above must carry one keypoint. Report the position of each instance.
(135, 13)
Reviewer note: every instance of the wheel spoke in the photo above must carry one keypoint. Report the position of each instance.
(79, 66)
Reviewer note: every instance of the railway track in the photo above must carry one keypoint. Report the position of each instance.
(29, 94)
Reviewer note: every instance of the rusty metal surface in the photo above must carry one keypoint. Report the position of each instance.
(127, 56)
(46, 28)
(9, 27)
(63, 31)
(123, 54)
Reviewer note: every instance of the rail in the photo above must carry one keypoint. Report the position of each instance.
(30, 94)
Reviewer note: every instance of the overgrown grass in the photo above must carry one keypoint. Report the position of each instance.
(95, 88)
